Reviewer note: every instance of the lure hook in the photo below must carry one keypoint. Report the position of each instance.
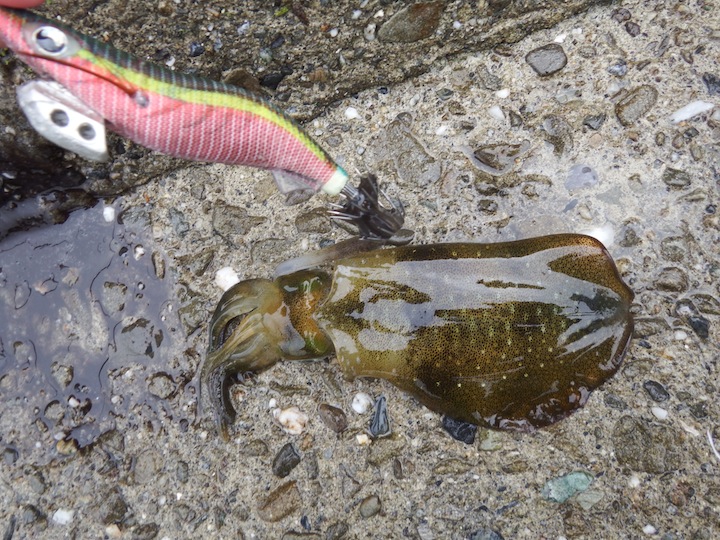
(363, 209)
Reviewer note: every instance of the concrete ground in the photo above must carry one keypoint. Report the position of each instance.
(102, 431)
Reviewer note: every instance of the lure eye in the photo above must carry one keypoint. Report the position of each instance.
(51, 40)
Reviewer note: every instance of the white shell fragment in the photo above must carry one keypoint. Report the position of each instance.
(63, 517)
(659, 413)
(108, 214)
(690, 110)
(292, 420)
(361, 403)
(649, 530)
(363, 439)
(496, 112)
(226, 277)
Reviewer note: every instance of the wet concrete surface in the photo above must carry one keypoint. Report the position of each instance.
(634, 462)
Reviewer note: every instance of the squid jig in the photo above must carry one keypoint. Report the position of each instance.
(88, 85)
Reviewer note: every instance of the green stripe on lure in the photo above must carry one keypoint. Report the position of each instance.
(93, 84)
(513, 335)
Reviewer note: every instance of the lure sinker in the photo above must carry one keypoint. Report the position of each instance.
(513, 335)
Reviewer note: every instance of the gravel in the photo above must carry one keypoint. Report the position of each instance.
(105, 430)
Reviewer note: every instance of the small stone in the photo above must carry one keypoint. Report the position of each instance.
(147, 464)
(67, 447)
(380, 423)
(158, 262)
(337, 530)
(488, 80)
(621, 15)
(659, 413)
(182, 472)
(636, 104)
(62, 516)
(37, 482)
(184, 513)
(233, 223)
(691, 110)
(595, 121)
(498, 159)
(292, 420)
(424, 531)
(161, 385)
(490, 440)
(361, 403)
(196, 49)
(413, 23)
(178, 222)
(285, 461)
(712, 82)
(672, 280)
(32, 516)
(112, 507)
(547, 59)
(700, 325)
(632, 28)
(588, 499)
(581, 177)
(673, 248)
(197, 262)
(561, 489)
(452, 466)
(699, 411)
(370, 506)
(487, 206)
(614, 402)
(676, 179)
(333, 417)
(459, 430)
(244, 79)
(280, 503)
(10, 455)
(146, 531)
(272, 80)
(54, 411)
(113, 297)
(642, 446)
(384, 450)
(656, 391)
(254, 448)
(558, 133)
(515, 467)
(619, 68)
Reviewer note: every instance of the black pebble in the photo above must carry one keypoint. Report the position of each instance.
(285, 461)
(656, 391)
(272, 80)
(459, 430)
(380, 424)
(196, 49)
(712, 82)
(700, 325)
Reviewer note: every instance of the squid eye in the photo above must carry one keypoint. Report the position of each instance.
(51, 40)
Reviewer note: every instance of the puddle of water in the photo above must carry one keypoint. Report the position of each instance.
(89, 332)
